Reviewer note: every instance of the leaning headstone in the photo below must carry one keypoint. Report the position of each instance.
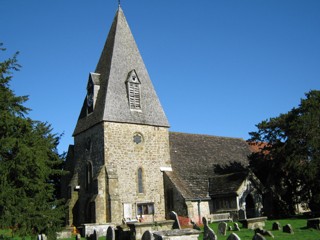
(95, 235)
(222, 228)
(276, 226)
(258, 236)
(233, 236)
(195, 226)
(208, 233)
(236, 227)
(263, 232)
(43, 236)
(287, 229)
(110, 233)
(147, 235)
(176, 224)
(78, 237)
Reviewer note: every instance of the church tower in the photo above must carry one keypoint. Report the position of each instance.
(121, 139)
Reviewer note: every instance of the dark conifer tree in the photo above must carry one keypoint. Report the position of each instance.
(29, 164)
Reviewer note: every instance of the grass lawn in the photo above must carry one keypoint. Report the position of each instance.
(298, 225)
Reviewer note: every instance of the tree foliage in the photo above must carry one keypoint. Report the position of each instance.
(29, 163)
(288, 162)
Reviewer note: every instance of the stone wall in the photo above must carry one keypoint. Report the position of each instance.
(107, 158)
(128, 147)
(199, 207)
(89, 156)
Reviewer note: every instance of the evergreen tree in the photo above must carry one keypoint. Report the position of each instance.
(289, 160)
(29, 164)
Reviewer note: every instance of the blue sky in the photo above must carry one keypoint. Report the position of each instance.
(219, 66)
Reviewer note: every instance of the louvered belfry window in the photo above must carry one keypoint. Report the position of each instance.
(133, 88)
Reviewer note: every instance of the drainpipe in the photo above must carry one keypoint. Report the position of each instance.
(199, 211)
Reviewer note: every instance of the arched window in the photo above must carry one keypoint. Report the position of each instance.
(140, 181)
(89, 175)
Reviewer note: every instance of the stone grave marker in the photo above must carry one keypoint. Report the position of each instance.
(229, 228)
(263, 232)
(194, 225)
(147, 235)
(313, 223)
(222, 227)
(258, 236)
(233, 236)
(110, 233)
(276, 226)
(287, 229)
(236, 227)
(176, 224)
(94, 236)
(208, 233)
(78, 237)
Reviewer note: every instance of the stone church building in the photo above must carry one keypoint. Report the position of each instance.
(126, 165)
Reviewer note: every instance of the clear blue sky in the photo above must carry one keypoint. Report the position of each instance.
(219, 66)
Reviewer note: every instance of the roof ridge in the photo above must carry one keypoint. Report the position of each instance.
(207, 135)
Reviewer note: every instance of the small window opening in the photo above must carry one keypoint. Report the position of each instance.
(140, 181)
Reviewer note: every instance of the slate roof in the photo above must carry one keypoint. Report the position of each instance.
(193, 157)
(226, 184)
(120, 55)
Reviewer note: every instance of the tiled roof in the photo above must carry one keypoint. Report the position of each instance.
(120, 56)
(226, 184)
(193, 157)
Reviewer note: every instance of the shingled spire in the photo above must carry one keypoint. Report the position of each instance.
(124, 92)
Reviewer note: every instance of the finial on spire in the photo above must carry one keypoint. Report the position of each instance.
(119, 3)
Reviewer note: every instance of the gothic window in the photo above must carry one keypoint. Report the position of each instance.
(89, 175)
(140, 181)
(133, 90)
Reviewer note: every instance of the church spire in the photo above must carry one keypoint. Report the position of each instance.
(126, 93)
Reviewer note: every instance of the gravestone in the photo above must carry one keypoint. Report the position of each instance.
(233, 236)
(258, 236)
(313, 223)
(287, 229)
(43, 236)
(194, 225)
(177, 234)
(147, 235)
(263, 232)
(222, 228)
(208, 233)
(276, 226)
(78, 237)
(229, 228)
(236, 227)
(110, 233)
(94, 236)
(39, 237)
(176, 224)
